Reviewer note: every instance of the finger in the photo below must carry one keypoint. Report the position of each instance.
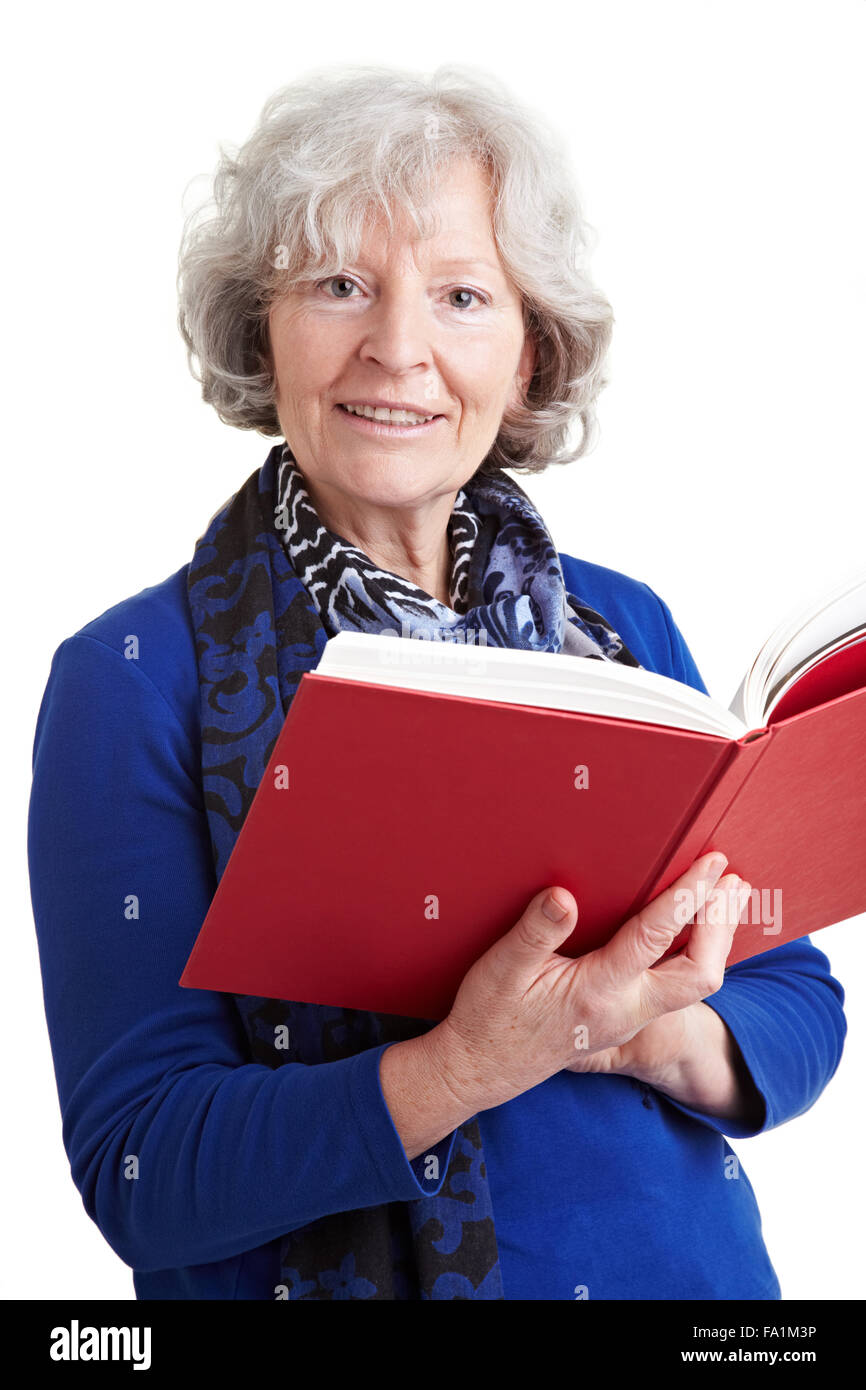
(698, 970)
(714, 927)
(647, 935)
(548, 921)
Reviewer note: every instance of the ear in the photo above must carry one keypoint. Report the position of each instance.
(265, 350)
(524, 372)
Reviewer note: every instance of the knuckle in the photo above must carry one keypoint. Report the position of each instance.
(703, 978)
(530, 933)
(711, 982)
(654, 933)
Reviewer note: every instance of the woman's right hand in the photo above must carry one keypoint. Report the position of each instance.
(515, 1017)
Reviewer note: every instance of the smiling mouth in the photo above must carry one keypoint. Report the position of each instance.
(382, 415)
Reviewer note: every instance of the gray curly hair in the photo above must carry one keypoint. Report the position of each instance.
(339, 143)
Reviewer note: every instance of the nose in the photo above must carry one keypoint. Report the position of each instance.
(396, 331)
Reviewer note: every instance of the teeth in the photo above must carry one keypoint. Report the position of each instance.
(394, 417)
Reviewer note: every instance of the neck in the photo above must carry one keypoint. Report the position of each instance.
(412, 544)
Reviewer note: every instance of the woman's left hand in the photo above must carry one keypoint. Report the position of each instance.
(654, 1052)
(690, 1054)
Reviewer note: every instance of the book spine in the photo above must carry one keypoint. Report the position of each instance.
(695, 830)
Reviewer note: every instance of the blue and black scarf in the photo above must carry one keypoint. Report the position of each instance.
(268, 585)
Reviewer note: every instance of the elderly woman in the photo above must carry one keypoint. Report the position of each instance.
(391, 282)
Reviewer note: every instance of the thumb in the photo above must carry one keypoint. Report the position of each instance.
(548, 921)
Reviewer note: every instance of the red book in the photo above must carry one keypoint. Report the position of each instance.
(398, 830)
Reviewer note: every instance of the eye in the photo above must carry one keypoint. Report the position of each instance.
(464, 289)
(339, 280)
(346, 285)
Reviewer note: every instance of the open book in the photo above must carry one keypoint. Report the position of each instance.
(810, 657)
(422, 792)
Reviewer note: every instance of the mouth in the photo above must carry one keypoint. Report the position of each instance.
(384, 421)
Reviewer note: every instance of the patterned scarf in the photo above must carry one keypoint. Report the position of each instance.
(501, 554)
(268, 585)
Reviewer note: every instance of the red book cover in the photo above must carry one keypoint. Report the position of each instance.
(396, 834)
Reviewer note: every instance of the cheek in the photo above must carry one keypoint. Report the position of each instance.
(301, 377)
(302, 374)
(484, 369)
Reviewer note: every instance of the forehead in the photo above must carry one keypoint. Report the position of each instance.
(458, 222)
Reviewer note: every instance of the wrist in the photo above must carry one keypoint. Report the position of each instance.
(459, 1068)
(424, 1089)
(668, 1053)
(709, 1074)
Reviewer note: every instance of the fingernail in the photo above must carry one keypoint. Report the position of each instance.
(552, 909)
(717, 865)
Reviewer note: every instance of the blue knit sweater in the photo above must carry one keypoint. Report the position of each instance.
(194, 1161)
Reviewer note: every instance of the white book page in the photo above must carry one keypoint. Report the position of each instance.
(551, 680)
(801, 640)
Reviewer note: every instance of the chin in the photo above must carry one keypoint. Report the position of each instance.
(390, 479)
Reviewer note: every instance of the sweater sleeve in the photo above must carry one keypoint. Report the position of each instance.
(184, 1152)
(784, 1008)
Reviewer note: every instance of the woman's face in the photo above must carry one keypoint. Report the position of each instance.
(432, 323)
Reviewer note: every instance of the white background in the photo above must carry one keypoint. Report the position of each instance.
(718, 150)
